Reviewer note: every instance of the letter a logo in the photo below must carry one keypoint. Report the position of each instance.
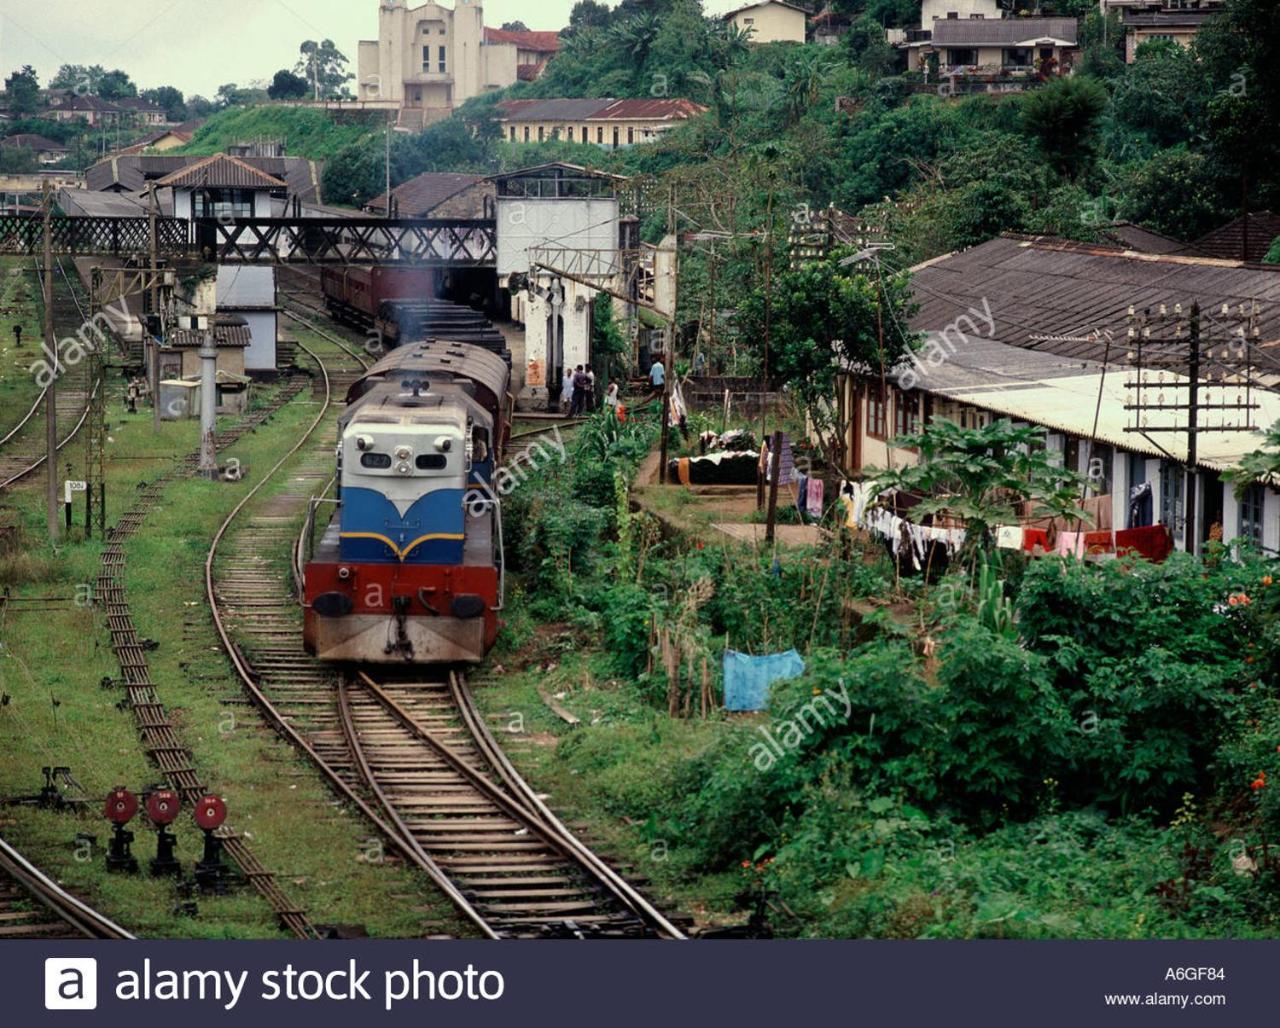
(70, 984)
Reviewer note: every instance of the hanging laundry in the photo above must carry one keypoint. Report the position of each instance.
(1099, 542)
(802, 494)
(1141, 504)
(747, 679)
(1033, 538)
(1152, 542)
(1009, 537)
(1070, 544)
(815, 490)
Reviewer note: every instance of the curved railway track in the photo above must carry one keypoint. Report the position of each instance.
(23, 452)
(34, 906)
(414, 756)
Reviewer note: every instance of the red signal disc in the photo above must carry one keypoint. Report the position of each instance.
(162, 806)
(121, 806)
(211, 812)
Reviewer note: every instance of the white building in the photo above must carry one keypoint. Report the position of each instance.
(429, 59)
(558, 234)
(249, 291)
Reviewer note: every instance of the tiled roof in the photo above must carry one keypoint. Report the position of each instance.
(762, 3)
(1192, 17)
(553, 110)
(673, 109)
(130, 173)
(1228, 241)
(31, 141)
(542, 42)
(221, 172)
(1001, 31)
(421, 194)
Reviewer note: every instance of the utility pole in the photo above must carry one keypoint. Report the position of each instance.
(208, 403)
(775, 464)
(388, 169)
(51, 394)
(154, 245)
(1193, 409)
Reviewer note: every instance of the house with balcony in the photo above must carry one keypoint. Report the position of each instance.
(1176, 23)
(981, 54)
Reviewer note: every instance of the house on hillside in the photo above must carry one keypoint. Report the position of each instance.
(427, 60)
(770, 21)
(167, 139)
(141, 112)
(607, 122)
(94, 110)
(1144, 20)
(1032, 329)
(46, 151)
(439, 194)
(1001, 50)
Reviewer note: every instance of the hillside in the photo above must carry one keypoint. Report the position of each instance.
(306, 132)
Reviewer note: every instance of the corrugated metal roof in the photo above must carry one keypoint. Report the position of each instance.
(130, 173)
(1143, 240)
(423, 193)
(553, 110)
(664, 108)
(1012, 289)
(1001, 31)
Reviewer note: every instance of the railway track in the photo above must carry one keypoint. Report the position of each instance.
(34, 906)
(164, 745)
(23, 448)
(413, 755)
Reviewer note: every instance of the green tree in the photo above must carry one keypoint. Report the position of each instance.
(823, 322)
(1263, 464)
(982, 476)
(1163, 95)
(514, 26)
(288, 86)
(82, 79)
(1063, 117)
(22, 92)
(324, 66)
(116, 85)
(171, 99)
(589, 14)
(1178, 192)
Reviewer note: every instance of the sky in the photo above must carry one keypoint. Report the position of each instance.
(197, 45)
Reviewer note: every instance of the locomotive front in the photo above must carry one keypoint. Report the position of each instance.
(408, 569)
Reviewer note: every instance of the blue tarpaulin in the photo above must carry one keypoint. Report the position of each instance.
(747, 679)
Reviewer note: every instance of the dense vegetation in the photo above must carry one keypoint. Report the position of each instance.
(1096, 761)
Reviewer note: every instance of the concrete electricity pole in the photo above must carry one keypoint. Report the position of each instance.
(51, 354)
(208, 404)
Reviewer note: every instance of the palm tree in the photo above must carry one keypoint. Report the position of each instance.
(637, 35)
(804, 82)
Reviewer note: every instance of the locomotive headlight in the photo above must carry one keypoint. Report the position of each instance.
(444, 444)
(404, 468)
(403, 453)
(364, 442)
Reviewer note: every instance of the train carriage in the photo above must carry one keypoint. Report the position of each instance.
(409, 569)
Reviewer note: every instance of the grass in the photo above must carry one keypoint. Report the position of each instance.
(19, 305)
(325, 856)
(306, 132)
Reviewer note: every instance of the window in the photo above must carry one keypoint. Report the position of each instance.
(962, 56)
(513, 133)
(526, 133)
(748, 21)
(571, 133)
(443, 60)
(877, 426)
(906, 413)
(1100, 469)
(615, 137)
(1252, 502)
(586, 136)
(426, 58)
(600, 134)
(631, 135)
(542, 133)
(223, 204)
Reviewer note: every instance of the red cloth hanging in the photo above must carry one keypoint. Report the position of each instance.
(1154, 542)
(1098, 542)
(1033, 537)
